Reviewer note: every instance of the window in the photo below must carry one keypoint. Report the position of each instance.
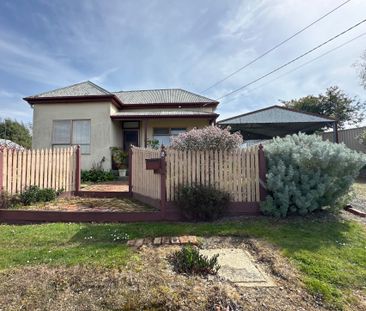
(163, 135)
(71, 132)
(131, 124)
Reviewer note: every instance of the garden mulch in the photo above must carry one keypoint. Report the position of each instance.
(78, 204)
(108, 186)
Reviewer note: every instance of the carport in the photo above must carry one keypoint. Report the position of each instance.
(276, 121)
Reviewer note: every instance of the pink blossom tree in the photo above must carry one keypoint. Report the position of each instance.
(207, 138)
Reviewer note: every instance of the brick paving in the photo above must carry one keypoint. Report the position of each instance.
(110, 186)
(165, 240)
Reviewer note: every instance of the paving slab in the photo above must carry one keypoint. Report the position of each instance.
(238, 266)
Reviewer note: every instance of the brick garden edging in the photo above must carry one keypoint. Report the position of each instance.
(165, 240)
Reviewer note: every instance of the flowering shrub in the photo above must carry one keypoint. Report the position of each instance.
(306, 173)
(207, 138)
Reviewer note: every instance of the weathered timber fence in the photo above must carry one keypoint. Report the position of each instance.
(144, 182)
(47, 168)
(236, 172)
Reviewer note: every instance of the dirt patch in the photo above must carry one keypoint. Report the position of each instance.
(149, 283)
(76, 204)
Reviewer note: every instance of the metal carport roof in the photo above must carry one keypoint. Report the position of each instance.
(276, 121)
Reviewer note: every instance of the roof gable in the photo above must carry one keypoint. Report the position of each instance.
(275, 114)
(86, 88)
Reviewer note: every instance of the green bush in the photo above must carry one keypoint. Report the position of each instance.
(306, 174)
(97, 175)
(34, 194)
(199, 202)
(7, 200)
(189, 260)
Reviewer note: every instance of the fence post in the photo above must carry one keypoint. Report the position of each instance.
(262, 173)
(163, 182)
(1, 169)
(77, 170)
(130, 170)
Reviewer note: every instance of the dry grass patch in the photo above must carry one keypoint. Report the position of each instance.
(91, 204)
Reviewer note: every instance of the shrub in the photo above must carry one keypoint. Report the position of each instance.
(207, 138)
(306, 174)
(7, 201)
(119, 158)
(199, 202)
(34, 194)
(97, 175)
(189, 260)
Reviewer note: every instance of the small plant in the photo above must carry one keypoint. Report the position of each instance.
(34, 194)
(199, 202)
(97, 174)
(153, 143)
(189, 260)
(7, 200)
(119, 158)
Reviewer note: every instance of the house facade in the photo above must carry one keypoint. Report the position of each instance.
(87, 115)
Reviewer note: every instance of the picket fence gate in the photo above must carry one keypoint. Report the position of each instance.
(47, 168)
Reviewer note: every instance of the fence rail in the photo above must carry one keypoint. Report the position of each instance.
(236, 172)
(144, 182)
(46, 168)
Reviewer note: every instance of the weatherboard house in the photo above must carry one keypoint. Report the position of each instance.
(87, 115)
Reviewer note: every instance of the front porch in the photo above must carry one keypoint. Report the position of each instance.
(141, 128)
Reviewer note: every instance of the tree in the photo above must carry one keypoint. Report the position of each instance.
(362, 138)
(361, 66)
(333, 103)
(16, 132)
(207, 138)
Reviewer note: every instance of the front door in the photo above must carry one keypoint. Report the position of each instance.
(130, 137)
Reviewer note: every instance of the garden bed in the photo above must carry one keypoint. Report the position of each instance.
(77, 204)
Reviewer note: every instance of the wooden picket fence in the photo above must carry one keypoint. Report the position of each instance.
(46, 168)
(236, 172)
(144, 182)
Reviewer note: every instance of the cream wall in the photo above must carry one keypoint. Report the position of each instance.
(104, 133)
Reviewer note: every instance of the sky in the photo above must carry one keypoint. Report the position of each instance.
(190, 44)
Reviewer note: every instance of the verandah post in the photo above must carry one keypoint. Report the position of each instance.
(1, 169)
(130, 155)
(163, 182)
(77, 169)
(262, 173)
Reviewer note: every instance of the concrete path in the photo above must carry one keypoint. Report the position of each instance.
(238, 266)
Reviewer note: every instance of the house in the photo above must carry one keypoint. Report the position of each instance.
(87, 115)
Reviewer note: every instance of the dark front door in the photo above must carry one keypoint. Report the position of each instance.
(130, 137)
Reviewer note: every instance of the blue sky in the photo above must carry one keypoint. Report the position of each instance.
(124, 45)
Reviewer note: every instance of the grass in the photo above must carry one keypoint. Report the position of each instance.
(330, 253)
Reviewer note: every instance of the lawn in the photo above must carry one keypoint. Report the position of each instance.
(329, 252)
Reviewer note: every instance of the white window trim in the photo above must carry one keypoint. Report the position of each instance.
(71, 134)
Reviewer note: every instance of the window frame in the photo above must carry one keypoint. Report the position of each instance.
(71, 121)
(183, 129)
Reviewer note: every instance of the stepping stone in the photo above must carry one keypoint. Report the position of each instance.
(131, 242)
(184, 239)
(157, 241)
(174, 240)
(166, 240)
(139, 243)
(192, 239)
(238, 267)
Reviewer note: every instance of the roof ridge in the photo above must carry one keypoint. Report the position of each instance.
(204, 97)
(142, 90)
(72, 85)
